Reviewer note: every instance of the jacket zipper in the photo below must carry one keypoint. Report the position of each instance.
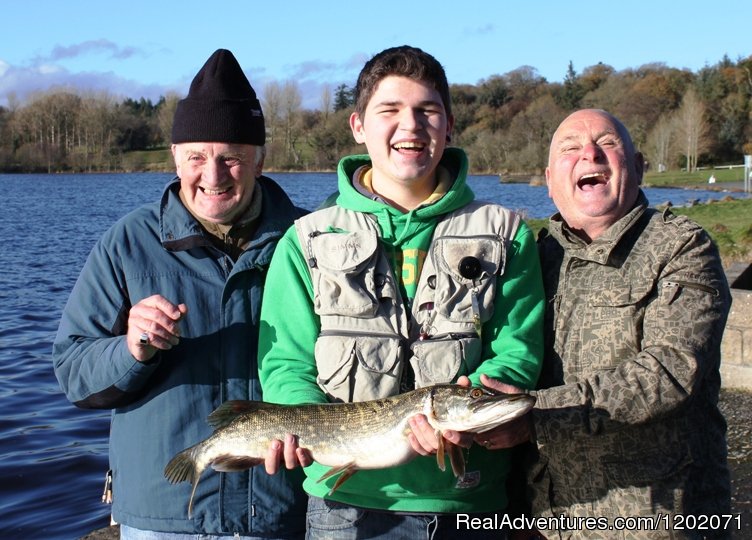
(691, 285)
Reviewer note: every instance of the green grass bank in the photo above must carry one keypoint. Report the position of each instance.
(728, 221)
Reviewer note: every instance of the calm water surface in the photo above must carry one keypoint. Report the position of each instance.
(53, 456)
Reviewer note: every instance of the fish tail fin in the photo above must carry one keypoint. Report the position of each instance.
(184, 468)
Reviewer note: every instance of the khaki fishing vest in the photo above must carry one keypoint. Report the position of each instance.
(367, 335)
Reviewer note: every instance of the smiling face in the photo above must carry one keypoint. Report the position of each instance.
(593, 172)
(405, 129)
(217, 179)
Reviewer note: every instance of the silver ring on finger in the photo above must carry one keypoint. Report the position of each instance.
(143, 338)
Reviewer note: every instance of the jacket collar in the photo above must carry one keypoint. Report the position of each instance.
(180, 231)
(599, 250)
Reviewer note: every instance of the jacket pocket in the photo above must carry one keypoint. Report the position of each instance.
(612, 323)
(443, 359)
(354, 367)
(651, 483)
(344, 274)
(647, 468)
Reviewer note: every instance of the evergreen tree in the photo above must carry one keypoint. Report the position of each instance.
(573, 92)
(343, 98)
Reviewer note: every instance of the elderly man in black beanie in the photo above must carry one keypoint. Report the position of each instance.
(161, 326)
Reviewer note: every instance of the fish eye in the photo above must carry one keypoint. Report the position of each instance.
(475, 393)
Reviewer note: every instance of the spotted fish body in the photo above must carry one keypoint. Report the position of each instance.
(345, 436)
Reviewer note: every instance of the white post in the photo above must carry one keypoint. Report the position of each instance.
(747, 173)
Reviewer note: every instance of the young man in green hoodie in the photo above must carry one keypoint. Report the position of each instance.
(404, 282)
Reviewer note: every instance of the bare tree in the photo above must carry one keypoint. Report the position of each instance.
(166, 115)
(660, 143)
(692, 128)
(326, 102)
(291, 106)
(272, 107)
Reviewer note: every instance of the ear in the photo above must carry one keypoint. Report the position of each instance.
(450, 126)
(639, 166)
(260, 160)
(356, 125)
(174, 150)
(548, 181)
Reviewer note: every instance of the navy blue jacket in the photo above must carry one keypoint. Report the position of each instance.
(160, 408)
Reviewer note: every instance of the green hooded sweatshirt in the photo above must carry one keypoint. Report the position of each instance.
(512, 347)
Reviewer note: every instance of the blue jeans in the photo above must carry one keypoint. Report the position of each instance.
(330, 520)
(129, 533)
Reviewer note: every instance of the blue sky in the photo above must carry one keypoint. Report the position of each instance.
(148, 48)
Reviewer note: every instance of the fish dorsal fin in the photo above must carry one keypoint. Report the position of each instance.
(229, 410)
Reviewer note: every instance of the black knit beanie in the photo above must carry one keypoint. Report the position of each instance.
(221, 106)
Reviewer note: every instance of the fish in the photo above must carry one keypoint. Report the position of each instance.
(347, 437)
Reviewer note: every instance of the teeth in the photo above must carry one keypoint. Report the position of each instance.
(591, 175)
(408, 145)
(214, 191)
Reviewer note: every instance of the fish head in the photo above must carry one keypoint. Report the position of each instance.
(475, 409)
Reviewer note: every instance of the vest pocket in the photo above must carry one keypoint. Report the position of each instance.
(358, 367)
(442, 360)
(344, 276)
(456, 285)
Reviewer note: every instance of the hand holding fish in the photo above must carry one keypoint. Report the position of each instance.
(344, 436)
(289, 451)
(425, 440)
(153, 326)
(511, 433)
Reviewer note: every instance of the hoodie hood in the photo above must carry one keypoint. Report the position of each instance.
(396, 226)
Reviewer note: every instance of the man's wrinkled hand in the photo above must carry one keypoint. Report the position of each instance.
(152, 326)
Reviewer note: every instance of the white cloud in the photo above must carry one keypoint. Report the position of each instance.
(49, 69)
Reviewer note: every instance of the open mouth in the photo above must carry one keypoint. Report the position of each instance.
(409, 147)
(214, 192)
(592, 180)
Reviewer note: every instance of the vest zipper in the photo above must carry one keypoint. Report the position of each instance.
(358, 333)
(450, 336)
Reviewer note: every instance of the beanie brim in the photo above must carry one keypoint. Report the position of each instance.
(229, 121)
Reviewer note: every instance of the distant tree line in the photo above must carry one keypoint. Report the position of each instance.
(678, 118)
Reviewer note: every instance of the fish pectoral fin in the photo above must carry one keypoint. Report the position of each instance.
(346, 471)
(457, 459)
(230, 463)
(335, 470)
(440, 451)
(341, 480)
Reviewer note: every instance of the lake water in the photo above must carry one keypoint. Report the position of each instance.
(53, 456)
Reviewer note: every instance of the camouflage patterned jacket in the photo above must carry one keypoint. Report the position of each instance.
(627, 422)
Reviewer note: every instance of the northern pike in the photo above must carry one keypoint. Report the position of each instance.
(345, 436)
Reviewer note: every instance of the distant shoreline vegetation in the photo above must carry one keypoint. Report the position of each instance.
(727, 220)
(678, 118)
